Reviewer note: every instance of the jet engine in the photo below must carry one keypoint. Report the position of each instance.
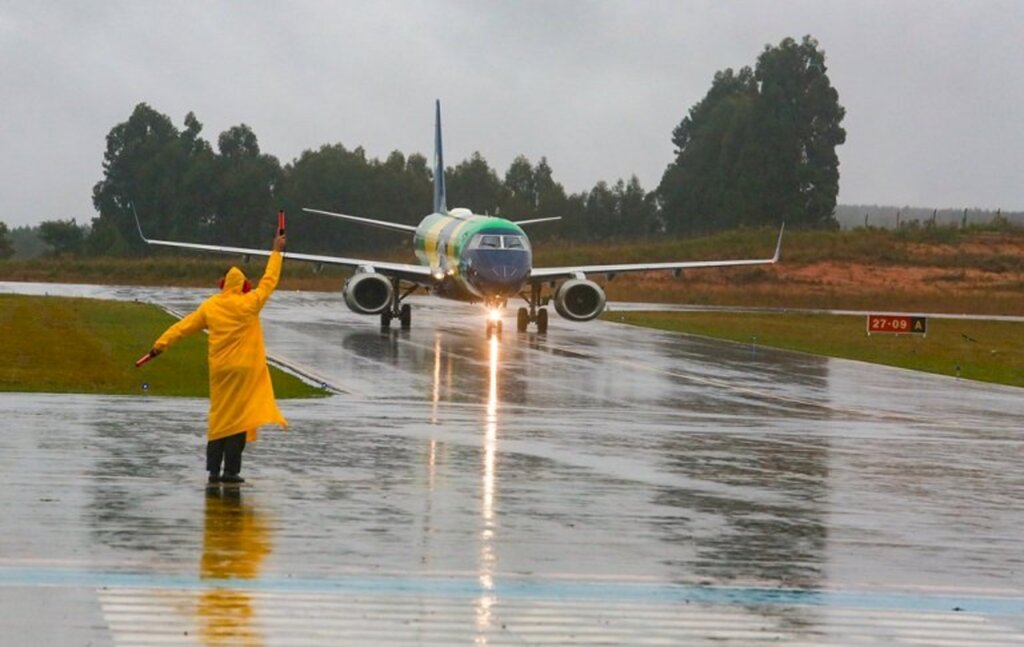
(367, 293)
(579, 300)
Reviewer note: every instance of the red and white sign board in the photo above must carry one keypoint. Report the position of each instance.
(897, 325)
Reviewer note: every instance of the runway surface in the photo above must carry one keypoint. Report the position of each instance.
(602, 484)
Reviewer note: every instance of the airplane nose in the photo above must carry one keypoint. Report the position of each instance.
(499, 271)
(506, 273)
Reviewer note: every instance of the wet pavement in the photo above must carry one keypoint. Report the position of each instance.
(601, 484)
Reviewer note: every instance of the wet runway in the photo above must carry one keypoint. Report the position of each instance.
(601, 484)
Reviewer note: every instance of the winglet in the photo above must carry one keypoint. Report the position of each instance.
(533, 220)
(440, 199)
(138, 224)
(778, 246)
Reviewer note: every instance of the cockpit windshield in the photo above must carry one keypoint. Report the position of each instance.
(496, 241)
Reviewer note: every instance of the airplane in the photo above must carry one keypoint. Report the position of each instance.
(470, 257)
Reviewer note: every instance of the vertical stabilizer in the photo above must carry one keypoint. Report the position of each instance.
(440, 199)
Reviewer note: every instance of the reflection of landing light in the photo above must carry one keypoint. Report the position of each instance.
(428, 516)
(436, 396)
(487, 534)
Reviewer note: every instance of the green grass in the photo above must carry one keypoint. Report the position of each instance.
(65, 345)
(988, 351)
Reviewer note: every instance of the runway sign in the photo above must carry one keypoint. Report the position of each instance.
(897, 325)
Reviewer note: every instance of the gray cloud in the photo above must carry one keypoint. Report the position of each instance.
(931, 88)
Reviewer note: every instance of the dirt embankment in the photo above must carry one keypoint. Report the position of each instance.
(982, 274)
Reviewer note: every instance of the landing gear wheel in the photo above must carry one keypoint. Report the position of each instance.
(522, 319)
(497, 329)
(542, 320)
(405, 316)
(385, 319)
(490, 329)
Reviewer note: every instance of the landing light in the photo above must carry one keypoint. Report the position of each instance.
(494, 314)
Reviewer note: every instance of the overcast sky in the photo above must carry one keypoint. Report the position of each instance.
(932, 89)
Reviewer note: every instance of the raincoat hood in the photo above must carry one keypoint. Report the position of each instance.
(233, 281)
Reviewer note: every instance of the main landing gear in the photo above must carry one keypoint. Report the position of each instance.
(535, 313)
(396, 309)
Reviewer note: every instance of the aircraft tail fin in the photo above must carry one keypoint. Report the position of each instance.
(440, 199)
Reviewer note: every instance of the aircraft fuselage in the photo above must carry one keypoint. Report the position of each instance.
(477, 258)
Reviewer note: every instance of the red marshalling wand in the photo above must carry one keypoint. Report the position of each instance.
(145, 358)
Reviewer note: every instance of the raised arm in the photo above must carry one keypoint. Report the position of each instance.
(272, 274)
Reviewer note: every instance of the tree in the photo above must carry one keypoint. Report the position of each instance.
(246, 186)
(135, 169)
(6, 245)
(475, 185)
(334, 178)
(521, 191)
(64, 236)
(600, 212)
(759, 148)
(552, 202)
(800, 113)
(170, 178)
(26, 242)
(637, 214)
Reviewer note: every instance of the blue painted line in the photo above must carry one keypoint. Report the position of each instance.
(528, 589)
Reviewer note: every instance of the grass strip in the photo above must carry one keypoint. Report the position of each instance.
(988, 351)
(70, 345)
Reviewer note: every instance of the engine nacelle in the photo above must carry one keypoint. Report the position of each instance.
(579, 300)
(368, 293)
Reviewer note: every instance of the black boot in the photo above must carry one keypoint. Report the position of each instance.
(230, 477)
(214, 478)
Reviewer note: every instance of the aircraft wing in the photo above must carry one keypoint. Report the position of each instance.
(540, 274)
(413, 273)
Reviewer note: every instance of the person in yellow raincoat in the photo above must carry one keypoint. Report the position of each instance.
(241, 394)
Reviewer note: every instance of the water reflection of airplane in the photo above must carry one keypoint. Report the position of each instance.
(470, 257)
(236, 540)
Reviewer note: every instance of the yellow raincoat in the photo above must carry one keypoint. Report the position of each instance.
(241, 395)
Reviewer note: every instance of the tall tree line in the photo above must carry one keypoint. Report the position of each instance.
(183, 189)
(758, 149)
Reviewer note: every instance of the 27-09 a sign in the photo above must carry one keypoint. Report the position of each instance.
(897, 324)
